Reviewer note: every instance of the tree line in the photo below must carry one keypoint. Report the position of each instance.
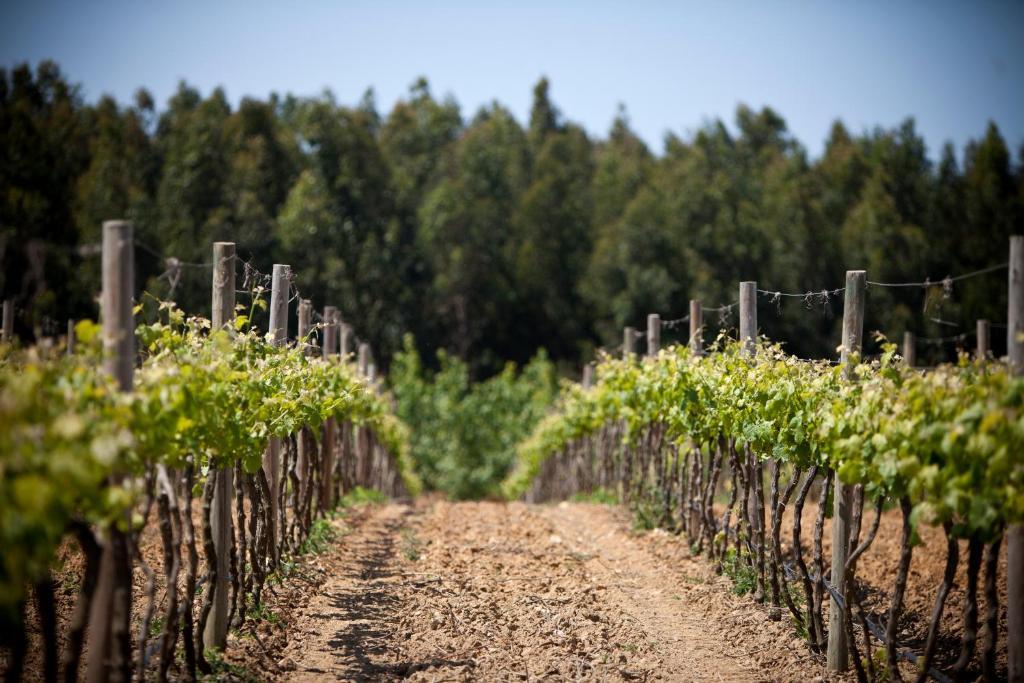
(492, 239)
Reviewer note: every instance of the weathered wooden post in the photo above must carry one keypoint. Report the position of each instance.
(71, 337)
(304, 439)
(330, 331)
(1015, 534)
(653, 334)
(364, 359)
(305, 326)
(363, 443)
(222, 318)
(588, 375)
(696, 328)
(628, 342)
(748, 317)
(853, 332)
(345, 337)
(984, 334)
(110, 656)
(8, 321)
(279, 286)
(755, 502)
(909, 349)
(330, 344)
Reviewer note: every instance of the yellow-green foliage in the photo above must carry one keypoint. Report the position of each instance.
(951, 439)
(64, 429)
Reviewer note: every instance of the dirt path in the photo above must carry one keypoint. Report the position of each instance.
(490, 591)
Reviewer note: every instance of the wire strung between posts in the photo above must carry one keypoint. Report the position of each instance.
(723, 311)
(945, 282)
(810, 298)
(183, 264)
(776, 295)
(945, 340)
(672, 324)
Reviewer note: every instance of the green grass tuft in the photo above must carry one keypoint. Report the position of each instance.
(597, 496)
(359, 496)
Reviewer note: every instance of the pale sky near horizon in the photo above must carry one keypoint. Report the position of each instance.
(675, 65)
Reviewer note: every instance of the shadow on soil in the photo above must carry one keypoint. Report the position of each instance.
(366, 610)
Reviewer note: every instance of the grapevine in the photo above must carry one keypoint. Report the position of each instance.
(203, 403)
(945, 446)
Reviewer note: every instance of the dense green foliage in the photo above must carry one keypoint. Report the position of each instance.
(217, 397)
(950, 439)
(463, 435)
(489, 238)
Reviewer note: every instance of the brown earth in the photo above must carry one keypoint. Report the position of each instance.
(492, 591)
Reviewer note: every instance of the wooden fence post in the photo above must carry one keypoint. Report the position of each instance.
(755, 503)
(653, 334)
(364, 360)
(330, 344)
(909, 349)
(8, 321)
(71, 337)
(364, 444)
(305, 326)
(305, 436)
(696, 328)
(588, 375)
(1015, 534)
(279, 294)
(984, 334)
(110, 654)
(853, 332)
(345, 339)
(330, 336)
(748, 317)
(628, 341)
(222, 317)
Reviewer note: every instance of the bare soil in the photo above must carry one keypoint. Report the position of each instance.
(444, 591)
(495, 591)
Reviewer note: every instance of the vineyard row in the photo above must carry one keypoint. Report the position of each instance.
(138, 421)
(717, 443)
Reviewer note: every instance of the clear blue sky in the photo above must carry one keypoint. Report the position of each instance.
(953, 66)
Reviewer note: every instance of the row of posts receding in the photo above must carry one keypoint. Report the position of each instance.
(851, 345)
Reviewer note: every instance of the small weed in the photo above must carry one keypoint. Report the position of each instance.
(881, 666)
(598, 496)
(799, 629)
(320, 536)
(359, 495)
(410, 545)
(283, 571)
(223, 669)
(261, 612)
(744, 579)
(70, 584)
(693, 579)
(156, 626)
(647, 515)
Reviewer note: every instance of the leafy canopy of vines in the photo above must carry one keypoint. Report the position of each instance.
(951, 438)
(215, 396)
